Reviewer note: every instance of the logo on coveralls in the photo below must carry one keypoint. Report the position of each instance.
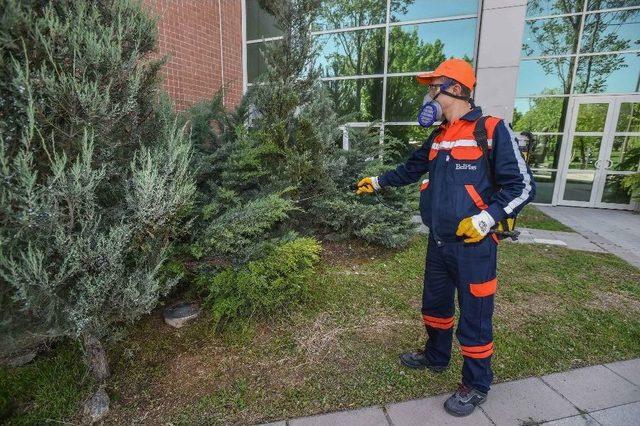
(466, 167)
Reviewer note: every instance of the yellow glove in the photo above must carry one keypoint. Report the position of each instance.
(475, 227)
(368, 185)
(510, 222)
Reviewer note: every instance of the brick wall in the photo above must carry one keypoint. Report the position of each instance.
(190, 32)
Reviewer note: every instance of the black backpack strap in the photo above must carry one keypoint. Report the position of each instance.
(480, 135)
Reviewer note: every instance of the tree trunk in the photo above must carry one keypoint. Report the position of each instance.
(96, 358)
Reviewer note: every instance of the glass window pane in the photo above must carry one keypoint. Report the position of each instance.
(404, 98)
(611, 32)
(614, 192)
(625, 154)
(553, 36)
(352, 53)
(629, 118)
(610, 4)
(413, 135)
(578, 185)
(544, 77)
(540, 114)
(608, 74)
(403, 10)
(584, 152)
(552, 7)
(545, 181)
(546, 152)
(358, 99)
(260, 23)
(419, 47)
(591, 117)
(335, 14)
(255, 61)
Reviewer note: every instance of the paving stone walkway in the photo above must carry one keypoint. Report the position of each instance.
(570, 240)
(597, 230)
(616, 231)
(606, 394)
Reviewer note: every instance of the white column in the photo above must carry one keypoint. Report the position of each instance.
(499, 51)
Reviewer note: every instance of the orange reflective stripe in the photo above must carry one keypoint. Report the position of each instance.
(477, 199)
(466, 152)
(477, 351)
(424, 185)
(435, 322)
(495, 238)
(484, 289)
(432, 153)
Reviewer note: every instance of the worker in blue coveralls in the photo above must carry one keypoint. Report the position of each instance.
(467, 197)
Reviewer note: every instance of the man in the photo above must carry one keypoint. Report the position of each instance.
(464, 198)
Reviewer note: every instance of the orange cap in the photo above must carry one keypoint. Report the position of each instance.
(456, 69)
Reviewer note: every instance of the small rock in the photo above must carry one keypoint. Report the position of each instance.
(179, 314)
(21, 360)
(96, 407)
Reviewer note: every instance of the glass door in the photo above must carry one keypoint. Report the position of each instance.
(623, 154)
(584, 150)
(602, 146)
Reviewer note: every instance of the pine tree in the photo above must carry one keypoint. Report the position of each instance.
(282, 147)
(293, 111)
(94, 168)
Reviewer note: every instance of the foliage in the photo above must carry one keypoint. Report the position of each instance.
(94, 167)
(274, 167)
(266, 286)
(632, 184)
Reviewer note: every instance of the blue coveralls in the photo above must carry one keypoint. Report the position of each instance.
(458, 187)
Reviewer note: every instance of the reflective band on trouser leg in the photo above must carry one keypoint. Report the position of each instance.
(483, 351)
(435, 322)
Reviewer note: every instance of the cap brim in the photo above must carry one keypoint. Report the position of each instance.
(427, 77)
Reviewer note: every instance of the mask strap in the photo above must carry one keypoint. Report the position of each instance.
(462, 98)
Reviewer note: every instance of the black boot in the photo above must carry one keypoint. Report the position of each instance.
(418, 360)
(464, 401)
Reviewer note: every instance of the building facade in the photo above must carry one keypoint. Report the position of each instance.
(566, 70)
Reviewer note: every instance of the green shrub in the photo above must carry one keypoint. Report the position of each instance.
(264, 286)
(632, 184)
(94, 171)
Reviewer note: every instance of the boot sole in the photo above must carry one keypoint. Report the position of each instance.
(453, 413)
(433, 369)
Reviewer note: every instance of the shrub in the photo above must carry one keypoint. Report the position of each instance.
(94, 170)
(265, 286)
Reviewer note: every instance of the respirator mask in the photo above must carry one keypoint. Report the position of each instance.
(431, 110)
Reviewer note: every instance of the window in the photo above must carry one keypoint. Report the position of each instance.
(570, 48)
(372, 80)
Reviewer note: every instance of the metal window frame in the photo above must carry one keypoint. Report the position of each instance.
(584, 11)
(387, 25)
(577, 54)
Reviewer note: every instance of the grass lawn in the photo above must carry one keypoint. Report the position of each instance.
(532, 217)
(556, 309)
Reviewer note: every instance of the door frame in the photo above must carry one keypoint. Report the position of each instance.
(618, 101)
(600, 173)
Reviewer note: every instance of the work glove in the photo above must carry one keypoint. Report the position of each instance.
(510, 224)
(476, 227)
(368, 185)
